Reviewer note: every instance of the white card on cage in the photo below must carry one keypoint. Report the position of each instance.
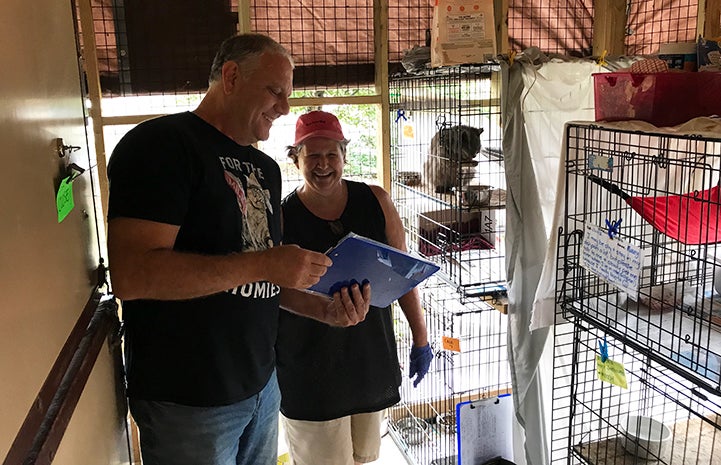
(615, 261)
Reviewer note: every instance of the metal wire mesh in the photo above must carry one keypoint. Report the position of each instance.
(684, 419)
(471, 363)
(111, 44)
(667, 333)
(172, 55)
(437, 116)
(554, 26)
(331, 41)
(450, 191)
(649, 26)
(409, 22)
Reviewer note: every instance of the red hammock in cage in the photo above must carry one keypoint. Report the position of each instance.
(691, 218)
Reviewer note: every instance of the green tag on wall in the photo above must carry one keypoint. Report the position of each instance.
(611, 372)
(64, 198)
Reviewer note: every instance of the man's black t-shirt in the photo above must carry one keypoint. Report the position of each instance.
(225, 198)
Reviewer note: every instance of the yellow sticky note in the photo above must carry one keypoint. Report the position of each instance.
(451, 343)
(409, 131)
(611, 372)
(283, 459)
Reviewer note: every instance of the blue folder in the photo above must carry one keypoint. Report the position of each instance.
(391, 272)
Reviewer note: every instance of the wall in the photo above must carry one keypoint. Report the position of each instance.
(46, 267)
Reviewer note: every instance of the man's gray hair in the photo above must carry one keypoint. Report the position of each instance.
(246, 50)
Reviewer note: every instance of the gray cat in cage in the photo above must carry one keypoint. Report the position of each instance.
(450, 162)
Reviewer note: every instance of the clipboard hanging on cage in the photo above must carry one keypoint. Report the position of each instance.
(691, 218)
(485, 430)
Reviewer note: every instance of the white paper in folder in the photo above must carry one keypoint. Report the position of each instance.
(485, 430)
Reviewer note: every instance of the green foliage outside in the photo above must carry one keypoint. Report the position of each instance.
(360, 124)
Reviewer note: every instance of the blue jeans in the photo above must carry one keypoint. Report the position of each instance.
(244, 433)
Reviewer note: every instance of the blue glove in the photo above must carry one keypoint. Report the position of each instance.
(420, 361)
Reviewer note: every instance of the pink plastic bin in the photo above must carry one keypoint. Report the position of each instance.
(663, 99)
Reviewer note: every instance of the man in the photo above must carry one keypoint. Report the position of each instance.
(193, 240)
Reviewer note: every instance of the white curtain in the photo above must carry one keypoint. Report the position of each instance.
(539, 95)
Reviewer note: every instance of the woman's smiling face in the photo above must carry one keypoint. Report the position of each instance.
(321, 162)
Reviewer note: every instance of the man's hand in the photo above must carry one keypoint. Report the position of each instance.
(349, 306)
(420, 361)
(292, 267)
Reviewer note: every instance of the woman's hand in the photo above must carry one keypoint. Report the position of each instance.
(349, 306)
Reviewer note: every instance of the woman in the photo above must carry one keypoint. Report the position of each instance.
(337, 382)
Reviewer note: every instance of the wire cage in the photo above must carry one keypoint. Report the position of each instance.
(447, 172)
(469, 342)
(638, 262)
(662, 417)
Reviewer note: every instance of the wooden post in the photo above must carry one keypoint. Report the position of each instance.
(92, 76)
(609, 27)
(380, 26)
(244, 16)
(500, 7)
(711, 19)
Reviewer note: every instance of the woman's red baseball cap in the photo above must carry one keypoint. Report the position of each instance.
(318, 124)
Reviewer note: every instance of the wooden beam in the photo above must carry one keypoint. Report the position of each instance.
(32, 432)
(244, 16)
(609, 27)
(104, 326)
(500, 8)
(380, 27)
(422, 409)
(294, 102)
(340, 100)
(711, 19)
(92, 77)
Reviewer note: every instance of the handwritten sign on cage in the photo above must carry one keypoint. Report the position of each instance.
(613, 260)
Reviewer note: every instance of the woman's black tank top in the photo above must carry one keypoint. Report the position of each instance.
(326, 372)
